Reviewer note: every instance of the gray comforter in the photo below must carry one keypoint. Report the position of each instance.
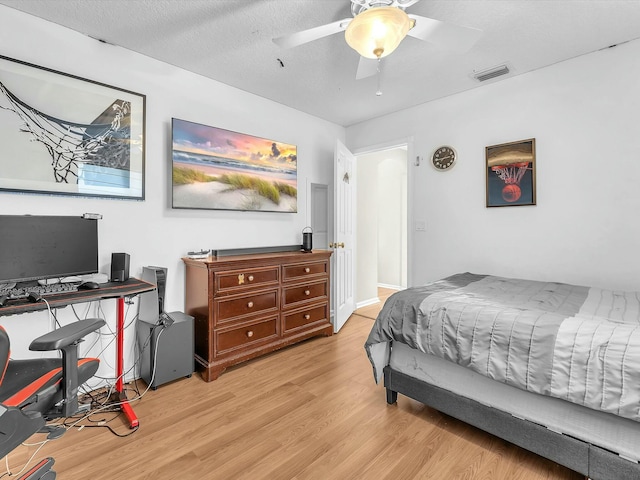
(576, 343)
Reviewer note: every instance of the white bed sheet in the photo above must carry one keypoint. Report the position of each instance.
(605, 430)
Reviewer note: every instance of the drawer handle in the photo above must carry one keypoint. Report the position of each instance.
(307, 316)
(250, 333)
(251, 278)
(250, 304)
(307, 292)
(307, 269)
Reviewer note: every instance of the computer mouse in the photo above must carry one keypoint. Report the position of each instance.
(89, 286)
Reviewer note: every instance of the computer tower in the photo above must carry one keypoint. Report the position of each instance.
(152, 303)
(166, 349)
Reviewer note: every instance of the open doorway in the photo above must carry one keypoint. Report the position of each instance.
(381, 227)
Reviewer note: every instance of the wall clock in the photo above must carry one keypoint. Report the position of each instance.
(444, 157)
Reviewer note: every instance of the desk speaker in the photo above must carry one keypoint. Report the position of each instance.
(119, 267)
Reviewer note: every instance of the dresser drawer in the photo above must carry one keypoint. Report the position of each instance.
(234, 306)
(300, 271)
(300, 318)
(249, 277)
(229, 340)
(304, 293)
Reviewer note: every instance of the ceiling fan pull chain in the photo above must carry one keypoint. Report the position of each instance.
(379, 91)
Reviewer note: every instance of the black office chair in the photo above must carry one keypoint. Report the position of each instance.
(33, 391)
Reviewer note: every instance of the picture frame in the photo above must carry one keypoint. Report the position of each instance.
(66, 135)
(511, 174)
(218, 169)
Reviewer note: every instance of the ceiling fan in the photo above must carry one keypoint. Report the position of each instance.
(378, 27)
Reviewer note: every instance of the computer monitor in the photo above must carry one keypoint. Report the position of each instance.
(34, 247)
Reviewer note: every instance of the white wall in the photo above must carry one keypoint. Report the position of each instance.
(381, 222)
(367, 229)
(392, 194)
(583, 114)
(150, 231)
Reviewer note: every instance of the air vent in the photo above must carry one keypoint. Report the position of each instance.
(490, 73)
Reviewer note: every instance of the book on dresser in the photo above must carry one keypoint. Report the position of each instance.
(248, 305)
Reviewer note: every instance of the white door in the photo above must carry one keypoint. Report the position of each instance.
(344, 241)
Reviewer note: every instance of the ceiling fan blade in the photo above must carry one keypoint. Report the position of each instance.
(445, 35)
(306, 36)
(406, 3)
(367, 67)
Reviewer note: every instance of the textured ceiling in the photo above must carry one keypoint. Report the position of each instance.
(231, 41)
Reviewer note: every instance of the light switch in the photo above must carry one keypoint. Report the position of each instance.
(421, 226)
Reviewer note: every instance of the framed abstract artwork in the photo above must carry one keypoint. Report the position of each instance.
(511, 173)
(64, 135)
(213, 168)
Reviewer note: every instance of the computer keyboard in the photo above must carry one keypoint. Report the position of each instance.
(42, 290)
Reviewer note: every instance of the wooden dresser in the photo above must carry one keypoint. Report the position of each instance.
(248, 305)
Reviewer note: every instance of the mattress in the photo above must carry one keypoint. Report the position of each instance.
(570, 342)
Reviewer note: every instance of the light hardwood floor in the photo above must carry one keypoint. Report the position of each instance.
(311, 411)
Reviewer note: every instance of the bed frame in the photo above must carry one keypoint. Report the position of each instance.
(582, 457)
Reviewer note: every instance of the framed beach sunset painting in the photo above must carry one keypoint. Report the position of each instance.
(213, 168)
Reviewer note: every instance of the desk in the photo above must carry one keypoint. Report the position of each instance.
(117, 290)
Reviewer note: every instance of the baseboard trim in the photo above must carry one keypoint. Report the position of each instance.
(392, 287)
(366, 303)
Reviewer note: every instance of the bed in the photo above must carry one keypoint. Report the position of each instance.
(551, 367)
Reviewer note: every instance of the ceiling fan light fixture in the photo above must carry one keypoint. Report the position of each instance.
(377, 32)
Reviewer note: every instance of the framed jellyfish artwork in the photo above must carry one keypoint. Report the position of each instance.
(511, 174)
